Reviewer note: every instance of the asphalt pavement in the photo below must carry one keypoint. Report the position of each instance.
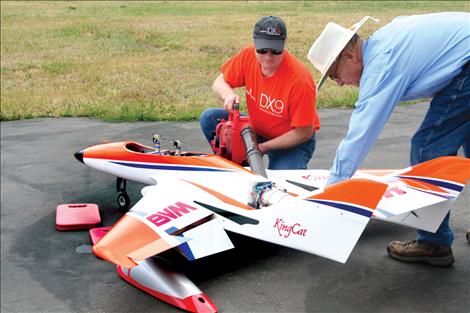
(45, 270)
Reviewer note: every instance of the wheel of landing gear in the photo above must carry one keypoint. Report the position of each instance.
(123, 201)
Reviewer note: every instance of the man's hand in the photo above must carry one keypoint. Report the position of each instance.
(262, 148)
(225, 92)
(230, 100)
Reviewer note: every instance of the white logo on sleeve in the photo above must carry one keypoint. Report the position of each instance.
(271, 106)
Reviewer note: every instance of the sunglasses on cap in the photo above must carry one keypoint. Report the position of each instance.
(266, 50)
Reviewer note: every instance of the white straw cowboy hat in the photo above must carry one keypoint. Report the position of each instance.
(329, 45)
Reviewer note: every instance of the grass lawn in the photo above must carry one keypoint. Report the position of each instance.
(128, 61)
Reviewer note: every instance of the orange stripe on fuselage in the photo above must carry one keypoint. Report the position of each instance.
(119, 151)
(222, 197)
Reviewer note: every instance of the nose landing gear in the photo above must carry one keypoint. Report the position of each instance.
(123, 199)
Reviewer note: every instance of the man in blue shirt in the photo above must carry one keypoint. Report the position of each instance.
(412, 57)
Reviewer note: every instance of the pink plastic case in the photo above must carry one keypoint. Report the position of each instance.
(77, 216)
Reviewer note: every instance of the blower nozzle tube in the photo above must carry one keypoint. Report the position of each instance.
(253, 155)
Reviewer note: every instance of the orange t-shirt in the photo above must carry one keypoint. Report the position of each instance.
(278, 103)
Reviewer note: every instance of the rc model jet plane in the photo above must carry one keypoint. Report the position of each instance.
(194, 199)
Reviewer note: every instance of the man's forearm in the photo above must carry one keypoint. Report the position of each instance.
(288, 140)
(221, 88)
(225, 92)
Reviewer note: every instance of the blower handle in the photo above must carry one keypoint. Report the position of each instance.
(236, 106)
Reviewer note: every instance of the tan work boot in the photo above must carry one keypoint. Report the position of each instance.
(414, 251)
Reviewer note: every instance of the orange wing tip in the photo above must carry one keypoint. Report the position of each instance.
(126, 237)
(362, 192)
(450, 168)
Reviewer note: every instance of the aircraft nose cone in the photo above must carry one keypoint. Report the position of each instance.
(79, 156)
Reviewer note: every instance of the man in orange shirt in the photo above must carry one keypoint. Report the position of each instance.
(280, 97)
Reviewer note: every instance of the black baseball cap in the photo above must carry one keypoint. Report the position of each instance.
(270, 32)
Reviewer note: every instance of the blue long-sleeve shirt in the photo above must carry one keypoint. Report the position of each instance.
(412, 57)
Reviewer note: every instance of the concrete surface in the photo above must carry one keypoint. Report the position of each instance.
(45, 270)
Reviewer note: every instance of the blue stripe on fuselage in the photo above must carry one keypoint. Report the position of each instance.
(169, 167)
